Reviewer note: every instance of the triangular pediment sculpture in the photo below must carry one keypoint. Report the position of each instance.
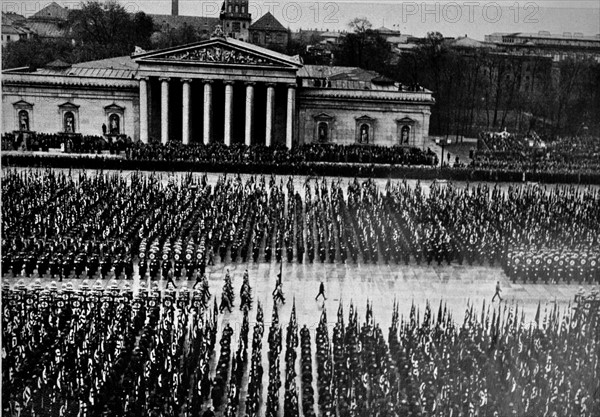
(68, 105)
(323, 116)
(220, 51)
(405, 120)
(114, 107)
(22, 104)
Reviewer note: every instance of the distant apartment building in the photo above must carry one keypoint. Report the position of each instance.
(555, 46)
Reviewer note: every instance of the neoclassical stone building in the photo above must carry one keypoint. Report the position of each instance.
(222, 89)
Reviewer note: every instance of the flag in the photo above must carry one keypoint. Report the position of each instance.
(413, 322)
(259, 312)
(279, 276)
(293, 320)
(275, 316)
(323, 319)
(427, 315)
(340, 314)
(369, 317)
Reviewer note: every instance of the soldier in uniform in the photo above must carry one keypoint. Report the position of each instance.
(154, 269)
(278, 294)
(142, 267)
(170, 275)
(498, 291)
(321, 291)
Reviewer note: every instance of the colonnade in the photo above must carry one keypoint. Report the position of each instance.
(208, 123)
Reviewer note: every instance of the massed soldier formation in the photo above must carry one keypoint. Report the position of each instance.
(60, 225)
(95, 351)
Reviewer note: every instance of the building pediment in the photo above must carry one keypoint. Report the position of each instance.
(323, 117)
(68, 105)
(365, 118)
(219, 51)
(114, 107)
(22, 104)
(405, 121)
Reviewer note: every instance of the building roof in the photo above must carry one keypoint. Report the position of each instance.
(348, 78)
(336, 73)
(120, 63)
(405, 47)
(14, 24)
(248, 47)
(121, 67)
(58, 64)
(47, 29)
(547, 35)
(53, 11)
(11, 17)
(15, 29)
(466, 42)
(398, 39)
(386, 31)
(198, 22)
(331, 34)
(268, 22)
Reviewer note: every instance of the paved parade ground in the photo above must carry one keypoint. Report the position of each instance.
(458, 287)
(454, 285)
(386, 287)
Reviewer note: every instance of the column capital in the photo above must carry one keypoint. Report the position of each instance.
(250, 83)
(144, 78)
(186, 80)
(271, 85)
(228, 82)
(207, 82)
(162, 79)
(291, 85)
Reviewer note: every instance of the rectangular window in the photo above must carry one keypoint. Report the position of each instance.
(236, 27)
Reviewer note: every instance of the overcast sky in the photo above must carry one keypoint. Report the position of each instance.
(451, 18)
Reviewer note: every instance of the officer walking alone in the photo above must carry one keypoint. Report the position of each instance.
(498, 291)
(321, 292)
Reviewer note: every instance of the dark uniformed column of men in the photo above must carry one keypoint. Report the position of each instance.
(99, 225)
(91, 351)
(214, 152)
(88, 349)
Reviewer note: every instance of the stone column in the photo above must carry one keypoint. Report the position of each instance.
(228, 104)
(164, 110)
(249, 111)
(289, 124)
(270, 110)
(144, 109)
(185, 119)
(207, 111)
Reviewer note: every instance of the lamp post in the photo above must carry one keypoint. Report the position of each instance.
(443, 143)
